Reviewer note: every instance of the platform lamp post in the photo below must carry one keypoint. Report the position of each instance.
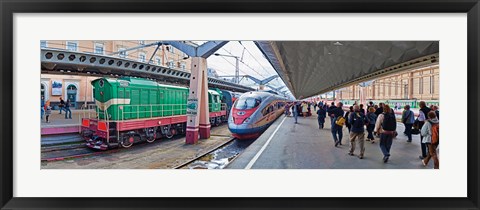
(237, 69)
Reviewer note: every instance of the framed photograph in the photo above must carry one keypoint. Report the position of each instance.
(257, 93)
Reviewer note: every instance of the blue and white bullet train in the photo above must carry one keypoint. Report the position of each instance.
(253, 112)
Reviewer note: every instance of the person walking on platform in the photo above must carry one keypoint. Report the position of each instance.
(371, 118)
(337, 124)
(42, 105)
(287, 109)
(408, 119)
(314, 106)
(304, 109)
(321, 114)
(347, 115)
(61, 105)
(295, 111)
(331, 114)
(435, 109)
(48, 111)
(386, 126)
(422, 116)
(362, 110)
(430, 133)
(370, 104)
(357, 121)
(68, 112)
(379, 110)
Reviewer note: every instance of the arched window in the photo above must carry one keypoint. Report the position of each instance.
(72, 87)
(72, 93)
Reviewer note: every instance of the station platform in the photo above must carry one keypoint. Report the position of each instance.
(59, 125)
(286, 145)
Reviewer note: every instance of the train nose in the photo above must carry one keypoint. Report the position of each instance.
(234, 128)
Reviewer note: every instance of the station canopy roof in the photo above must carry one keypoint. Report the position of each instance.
(310, 68)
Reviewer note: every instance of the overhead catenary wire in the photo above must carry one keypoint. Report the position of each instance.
(245, 48)
(245, 63)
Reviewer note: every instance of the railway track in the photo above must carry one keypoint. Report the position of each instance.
(69, 151)
(218, 157)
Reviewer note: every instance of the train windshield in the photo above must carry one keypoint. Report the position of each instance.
(247, 103)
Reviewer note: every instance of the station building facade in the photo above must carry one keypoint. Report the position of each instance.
(415, 85)
(78, 88)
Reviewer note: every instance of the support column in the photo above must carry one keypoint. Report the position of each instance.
(410, 86)
(373, 91)
(204, 125)
(197, 107)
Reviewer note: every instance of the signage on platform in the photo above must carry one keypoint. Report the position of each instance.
(192, 106)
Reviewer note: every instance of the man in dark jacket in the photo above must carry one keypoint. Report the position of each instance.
(68, 112)
(357, 122)
(61, 105)
(379, 109)
(330, 111)
(337, 129)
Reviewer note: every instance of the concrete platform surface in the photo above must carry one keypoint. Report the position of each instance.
(305, 146)
(59, 125)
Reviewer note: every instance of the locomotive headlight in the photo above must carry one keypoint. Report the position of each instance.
(246, 120)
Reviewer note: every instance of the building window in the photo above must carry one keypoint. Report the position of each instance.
(43, 44)
(183, 65)
(432, 85)
(171, 64)
(99, 49)
(170, 49)
(142, 57)
(122, 54)
(158, 61)
(420, 85)
(396, 88)
(72, 46)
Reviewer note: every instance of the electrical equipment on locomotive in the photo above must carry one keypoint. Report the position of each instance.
(253, 113)
(132, 110)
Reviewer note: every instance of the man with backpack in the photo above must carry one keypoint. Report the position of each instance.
(386, 126)
(430, 133)
(337, 123)
(357, 122)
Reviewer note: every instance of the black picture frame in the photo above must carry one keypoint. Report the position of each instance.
(10, 7)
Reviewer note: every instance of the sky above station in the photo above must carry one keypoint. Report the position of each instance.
(252, 62)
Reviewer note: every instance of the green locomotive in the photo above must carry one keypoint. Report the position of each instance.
(130, 110)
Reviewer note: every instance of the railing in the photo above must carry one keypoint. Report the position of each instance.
(128, 112)
(90, 110)
(157, 110)
(144, 111)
